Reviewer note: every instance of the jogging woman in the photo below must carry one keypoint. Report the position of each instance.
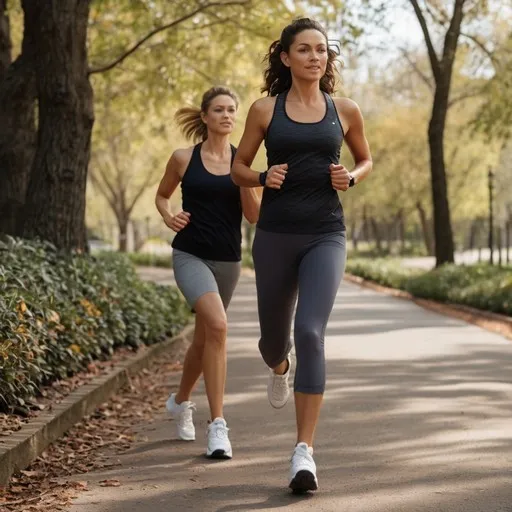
(206, 253)
(299, 248)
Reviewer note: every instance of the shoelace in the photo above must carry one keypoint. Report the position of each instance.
(219, 430)
(279, 385)
(300, 456)
(186, 416)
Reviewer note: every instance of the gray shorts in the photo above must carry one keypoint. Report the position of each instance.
(195, 277)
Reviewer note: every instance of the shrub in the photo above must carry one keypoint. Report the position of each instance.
(59, 312)
(150, 260)
(481, 286)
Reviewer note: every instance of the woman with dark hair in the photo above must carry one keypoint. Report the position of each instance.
(299, 247)
(206, 252)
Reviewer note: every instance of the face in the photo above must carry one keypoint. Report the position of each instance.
(307, 58)
(221, 114)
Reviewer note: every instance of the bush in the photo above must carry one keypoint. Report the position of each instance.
(386, 272)
(480, 286)
(59, 312)
(150, 260)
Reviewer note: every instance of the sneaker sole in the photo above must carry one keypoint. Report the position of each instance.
(280, 406)
(188, 439)
(303, 481)
(219, 454)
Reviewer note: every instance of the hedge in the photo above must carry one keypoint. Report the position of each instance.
(60, 312)
(480, 286)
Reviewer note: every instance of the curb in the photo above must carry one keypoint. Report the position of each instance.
(21, 448)
(493, 322)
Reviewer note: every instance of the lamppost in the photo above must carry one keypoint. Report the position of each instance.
(490, 176)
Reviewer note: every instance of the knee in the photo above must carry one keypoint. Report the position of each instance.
(216, 329)
(308, 340)
(273, 351)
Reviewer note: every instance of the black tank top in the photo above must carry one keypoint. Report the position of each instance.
(306, 202)
(215, 207)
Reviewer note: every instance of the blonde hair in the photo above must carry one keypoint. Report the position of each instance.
(189, 118)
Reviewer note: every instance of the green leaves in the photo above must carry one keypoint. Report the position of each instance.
(58, 313)
(480, 286)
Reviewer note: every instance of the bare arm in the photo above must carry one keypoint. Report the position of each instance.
(251, 201)
(355, 138)
(174, 171)
(254, 133)
(258, 119)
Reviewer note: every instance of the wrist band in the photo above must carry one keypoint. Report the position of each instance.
(263, 178)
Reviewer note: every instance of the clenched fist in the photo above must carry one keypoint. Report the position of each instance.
(177, 222)
(276, 175)
(340, 177)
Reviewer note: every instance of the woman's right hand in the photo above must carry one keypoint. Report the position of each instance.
(177, 222)
(276, 175)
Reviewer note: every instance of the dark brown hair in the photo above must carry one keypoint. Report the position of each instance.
(278, 77)
(189, 118)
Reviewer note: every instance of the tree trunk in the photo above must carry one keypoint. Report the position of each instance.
(366, 229)
(401, 230)
(473, 231)
(376, 234)
(444, 249)
(123, 235)
(55, 207)
(17, 129)
(425, 227)
(355, 234)
(5, 39)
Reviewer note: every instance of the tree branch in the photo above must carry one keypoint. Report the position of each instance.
(434, 59)
(452, 34)
(482, 47)
(104, 187)
(136, 46)
(417, 70)
(472, 93)
(148, 182)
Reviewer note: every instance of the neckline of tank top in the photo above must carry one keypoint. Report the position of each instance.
(326, 100)
(199, 146)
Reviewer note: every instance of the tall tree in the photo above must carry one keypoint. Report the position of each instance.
(446, 17)
(55, 60)
(18, 126)
(55, 203)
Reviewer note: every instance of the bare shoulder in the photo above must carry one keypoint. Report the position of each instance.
(347, 106)
(264, 105)
(349, 113)
(179, 160)
(182, 155)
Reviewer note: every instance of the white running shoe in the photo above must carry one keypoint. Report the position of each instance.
(183, 414)
(278, 389)
(218, 446)
(303, 470)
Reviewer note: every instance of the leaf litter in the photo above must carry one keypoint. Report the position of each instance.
(60, 473)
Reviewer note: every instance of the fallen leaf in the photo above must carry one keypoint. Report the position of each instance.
(110, 483)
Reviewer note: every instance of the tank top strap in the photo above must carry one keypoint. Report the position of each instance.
(332, 113)
(280, 102)
(195, 164)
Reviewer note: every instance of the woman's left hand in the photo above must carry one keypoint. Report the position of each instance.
(340, 177)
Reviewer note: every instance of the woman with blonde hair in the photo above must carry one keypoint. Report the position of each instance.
(206, 252)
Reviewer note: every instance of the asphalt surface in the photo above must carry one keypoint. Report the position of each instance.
(417, 417)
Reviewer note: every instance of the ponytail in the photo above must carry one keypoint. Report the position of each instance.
(191, 124)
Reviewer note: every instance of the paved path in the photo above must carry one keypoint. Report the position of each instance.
(417, 417)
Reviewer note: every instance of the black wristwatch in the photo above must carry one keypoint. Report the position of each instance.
(352, 181)
(263, 178)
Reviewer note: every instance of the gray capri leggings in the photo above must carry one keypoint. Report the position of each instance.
(195, 277)
(310, 267)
